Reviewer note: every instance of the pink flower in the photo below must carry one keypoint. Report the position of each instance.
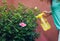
(22, 24)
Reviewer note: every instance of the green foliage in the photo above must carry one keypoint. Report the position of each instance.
(10, 30)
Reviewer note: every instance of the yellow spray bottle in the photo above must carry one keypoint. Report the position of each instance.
(44, 23)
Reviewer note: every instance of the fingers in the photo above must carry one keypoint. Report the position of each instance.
(47, 11)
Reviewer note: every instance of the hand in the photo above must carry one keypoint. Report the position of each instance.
(47, 13)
